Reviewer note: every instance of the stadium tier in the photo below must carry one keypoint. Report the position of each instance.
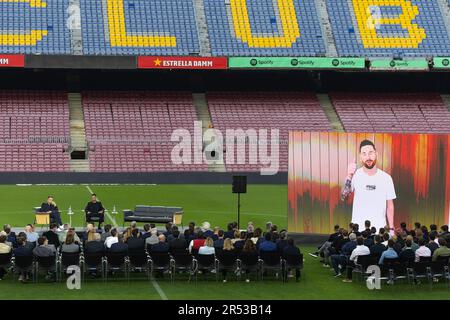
(266, 110)
(366, 28)
(34, 132)
(130, 131)
(407, 113)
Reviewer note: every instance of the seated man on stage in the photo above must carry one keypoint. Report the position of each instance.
(51, 208)
(94, 208)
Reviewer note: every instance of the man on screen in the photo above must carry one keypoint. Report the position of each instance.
(373, 190)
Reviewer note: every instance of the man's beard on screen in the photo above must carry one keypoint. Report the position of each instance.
(372, 164)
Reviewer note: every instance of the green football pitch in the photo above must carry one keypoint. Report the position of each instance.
(214, 203)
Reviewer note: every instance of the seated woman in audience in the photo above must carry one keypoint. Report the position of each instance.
(228, 253)
(195, 244)
(248, 253)
(69, 245)
(207, 248)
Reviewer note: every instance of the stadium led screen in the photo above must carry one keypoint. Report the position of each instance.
(418, 164)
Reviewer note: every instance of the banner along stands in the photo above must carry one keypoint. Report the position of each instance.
(12, 60)
(162, 62)
(441, 63)
(407, 65)
(296, 63)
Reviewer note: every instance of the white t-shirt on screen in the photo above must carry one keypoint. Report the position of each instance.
(370, 196)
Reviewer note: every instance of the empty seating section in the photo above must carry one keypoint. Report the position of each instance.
(131, 131)
(264, 28)
(34, 27)
(407, 113)
(34, 133)
(268, 110)
(362, 28)
(128, 27)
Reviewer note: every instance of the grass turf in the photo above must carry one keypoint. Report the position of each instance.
(317, 283)
(213, 203)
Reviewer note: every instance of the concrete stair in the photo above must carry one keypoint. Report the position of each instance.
(203, 115)
(77, 133)
(80, 165)
(332, 116)
(327, 31)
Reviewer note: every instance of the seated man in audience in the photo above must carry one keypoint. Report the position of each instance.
(442, 251)
(29, 245)
(10, 235)
(377, 249)
(239, 244)
(444, 231)
(112, 238)
(423, 251)
(44, 249)
(153, 239)
(161, 247)
(282, 241)
(169, 230)
(407, 255)
(368, 242)
(52, 236)
(4, 248)
(218, 244)
(51, 208)
(230, 232)
(206, 228)
(32, 236)
(414, 245)
(177, 245)
(135, 242)
(390, 253)
(107, 232)
(327, 244)
(94, 209)
(23, 251)
(268, 245)
(95, 245)
(292, 251)
(119, 246)
(339, 261)
(360, 250)
(432, 245)
(146, 234)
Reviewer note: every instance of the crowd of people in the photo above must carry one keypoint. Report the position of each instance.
(344, 246)
(197, 240)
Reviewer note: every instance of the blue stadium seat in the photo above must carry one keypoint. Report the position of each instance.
(265, 21)
(349, 40)
(20, 18)
(170, 18)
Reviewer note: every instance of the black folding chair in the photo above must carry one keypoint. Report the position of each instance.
(67, 259)
(227, 261)
(293, 262)
(271, 261)
(160, 261)
(362, 263)
(206, 263)
(184, 262)
(24, 263)
(422, 270)
(47, 264)
(140, 261)
(5, 261)
(93, 262)
(117, 262)
(440, 269)
(248, 263)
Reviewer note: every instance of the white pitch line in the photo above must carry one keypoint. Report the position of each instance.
(106, 212)
(159, 290)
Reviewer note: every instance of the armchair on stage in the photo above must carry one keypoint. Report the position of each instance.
(154, 214)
